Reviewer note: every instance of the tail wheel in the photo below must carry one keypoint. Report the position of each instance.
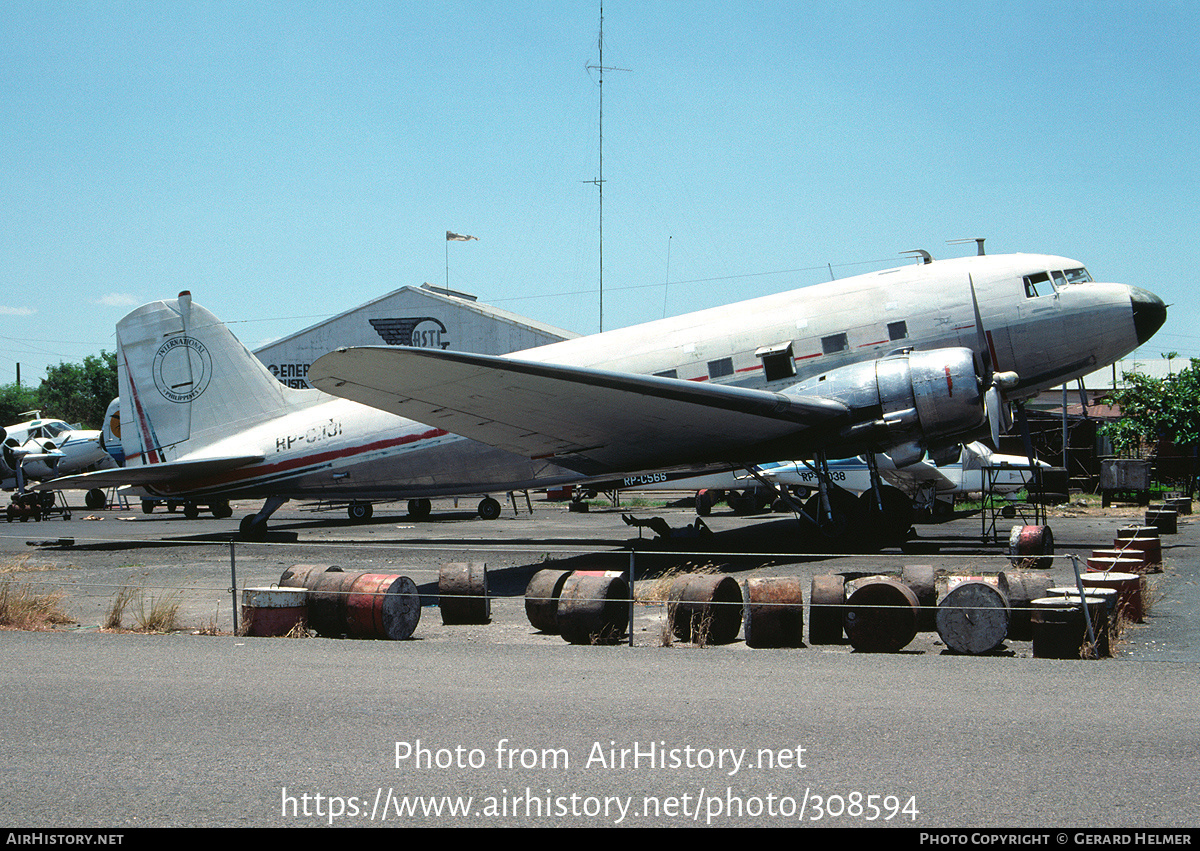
(360, 512)
(95, 499)
(191, 511)
(147, 506)
(418, 509)
(489, 509)
(221, 510)
(250, 530)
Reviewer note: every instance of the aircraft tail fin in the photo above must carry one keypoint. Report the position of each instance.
(186, 382)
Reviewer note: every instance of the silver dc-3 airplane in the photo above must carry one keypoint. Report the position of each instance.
(916, 358)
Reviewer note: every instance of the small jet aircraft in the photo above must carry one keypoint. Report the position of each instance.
(41, 449)
(916, 358)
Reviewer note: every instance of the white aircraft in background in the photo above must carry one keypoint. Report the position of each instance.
(44, 448)
(902, 361)
(924, 483)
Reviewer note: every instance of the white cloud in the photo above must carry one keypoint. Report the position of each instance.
(17, 311)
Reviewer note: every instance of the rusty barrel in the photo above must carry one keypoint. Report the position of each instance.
(1129, 592)
(826, 611)
(1030, 547)
(298, 575)
(463, 593)
(1146, 547)
(1101, 562)
(973, 617)
(1022, 588)
(541, 599)
(1060, 629)
(1181, 504)
(593, 609)
(774, 612)
(881, 616)
(273, 611)
(381, 605)
(1165, 520)
(1110, 596)
(705, 608)
(922, 580)
(328, 587)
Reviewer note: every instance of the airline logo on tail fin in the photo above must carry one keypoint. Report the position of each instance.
(182, 369)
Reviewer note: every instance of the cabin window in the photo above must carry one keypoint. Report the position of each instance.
(897, 330)
(835, 343)
(668, 373)
(1038, 285)
(720, 368)
(778, 361)
(1059, 280)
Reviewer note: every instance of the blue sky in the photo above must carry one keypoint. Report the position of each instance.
(287, 161)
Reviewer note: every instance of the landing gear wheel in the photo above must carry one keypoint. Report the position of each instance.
(842, 506)
(704, 503)
(489, 509)
(221, 510)
(191, 511)
(890, 527)
(95, 499)
(359, 512)
(250, 530)
(743, 502)
(418, 509)
(147, 506)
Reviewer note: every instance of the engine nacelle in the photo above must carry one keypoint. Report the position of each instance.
(903, 403)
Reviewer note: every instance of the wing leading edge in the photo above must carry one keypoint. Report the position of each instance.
(590, 420)
(150, 474)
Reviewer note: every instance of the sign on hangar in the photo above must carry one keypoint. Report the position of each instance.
(426, 316)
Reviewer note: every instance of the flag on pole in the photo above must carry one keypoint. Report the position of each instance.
(458, 237)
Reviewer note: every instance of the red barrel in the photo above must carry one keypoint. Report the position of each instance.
(274, 611)
(383, 606)
(1026, 543)
(1129, 592)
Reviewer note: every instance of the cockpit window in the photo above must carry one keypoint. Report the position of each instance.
(1038, 285)
(1078, 276)
(53, 429)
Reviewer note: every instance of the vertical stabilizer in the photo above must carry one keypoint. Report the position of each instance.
(186, 381)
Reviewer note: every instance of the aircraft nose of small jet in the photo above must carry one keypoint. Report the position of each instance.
(1149, 313)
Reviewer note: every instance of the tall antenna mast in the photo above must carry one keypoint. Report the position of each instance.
(599, 181)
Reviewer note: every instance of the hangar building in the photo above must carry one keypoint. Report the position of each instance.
(410, 316)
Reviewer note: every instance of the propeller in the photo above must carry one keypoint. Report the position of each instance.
(990, 381)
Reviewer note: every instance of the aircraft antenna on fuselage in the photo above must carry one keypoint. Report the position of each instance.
(978, 240)
(926, 257)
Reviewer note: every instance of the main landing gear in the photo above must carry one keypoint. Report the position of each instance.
(254, 526)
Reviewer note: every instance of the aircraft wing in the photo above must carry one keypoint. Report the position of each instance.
(590, 420)
(149, 474)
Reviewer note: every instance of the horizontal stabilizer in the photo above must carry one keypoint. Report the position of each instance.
(150, 474)
(594, 421)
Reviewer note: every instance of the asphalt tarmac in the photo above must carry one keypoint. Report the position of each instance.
(117, 730)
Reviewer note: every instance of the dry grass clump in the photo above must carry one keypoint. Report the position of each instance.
(23, 607)
(116, 612)
(657, 590)
(160, 615)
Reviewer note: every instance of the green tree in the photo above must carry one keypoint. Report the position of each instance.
(80, 392)
(1156, 409)
(16, 399)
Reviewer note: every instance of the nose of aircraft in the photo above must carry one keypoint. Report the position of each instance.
(1149, 313)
